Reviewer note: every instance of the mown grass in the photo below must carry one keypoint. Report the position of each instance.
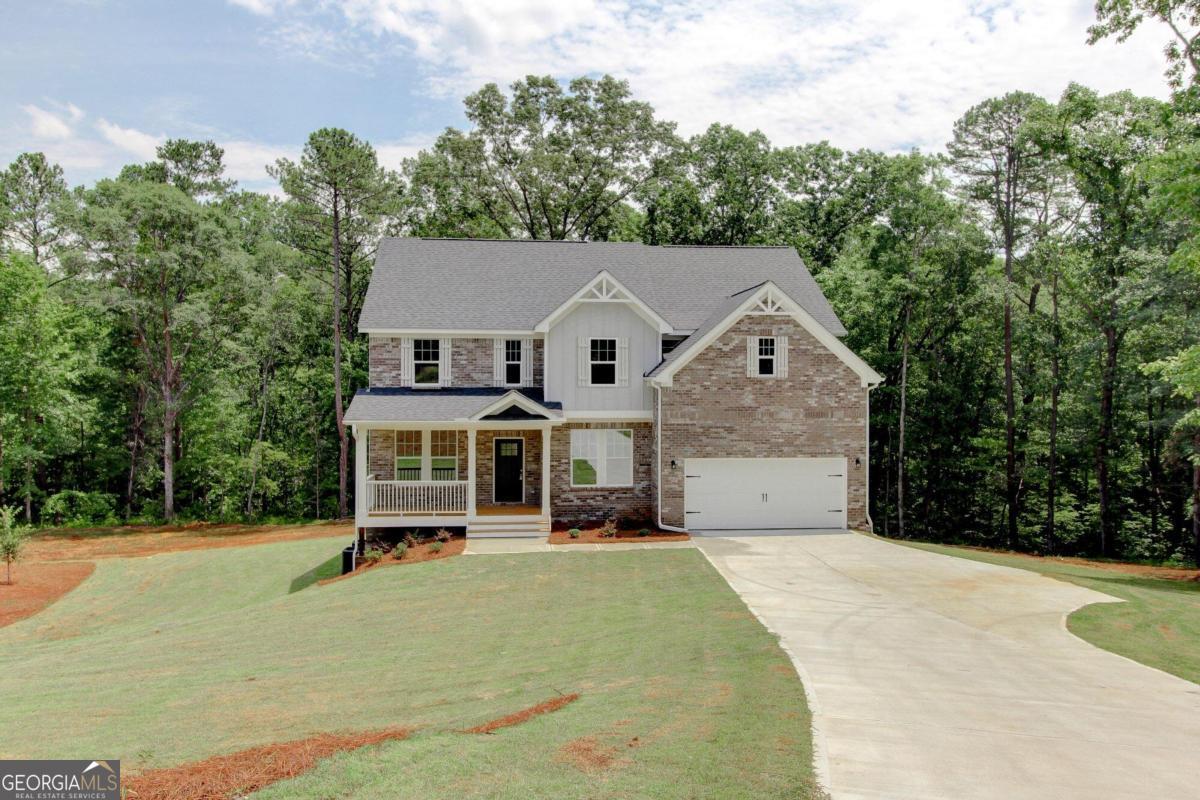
(174, 658)
(1158, 625)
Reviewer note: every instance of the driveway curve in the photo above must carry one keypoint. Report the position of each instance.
(935, 677)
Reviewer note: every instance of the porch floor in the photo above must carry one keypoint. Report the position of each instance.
(513, 510)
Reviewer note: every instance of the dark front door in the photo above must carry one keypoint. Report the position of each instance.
(510, 471)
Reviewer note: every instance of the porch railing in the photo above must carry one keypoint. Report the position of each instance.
(416, 497)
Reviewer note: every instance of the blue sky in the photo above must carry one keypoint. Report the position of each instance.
(97, 83)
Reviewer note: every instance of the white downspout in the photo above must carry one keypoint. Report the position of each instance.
(658, 464)
(867, 463)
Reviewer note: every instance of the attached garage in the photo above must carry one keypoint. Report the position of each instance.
(764, 493)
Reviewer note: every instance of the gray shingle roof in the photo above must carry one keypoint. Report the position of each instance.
(432, 405)
(719, 314)
(483, 284)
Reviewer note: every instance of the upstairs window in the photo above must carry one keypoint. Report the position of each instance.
(602, 362)
(512, 362)
(766, 356)
(426, 360)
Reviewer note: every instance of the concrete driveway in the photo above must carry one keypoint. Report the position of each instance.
(936, 677)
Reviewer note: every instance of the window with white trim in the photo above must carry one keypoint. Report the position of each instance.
(443, 455)
(602, 362)
(408, 455)
(601, 457)
(513, 349)
(766, 357)
(426, 362)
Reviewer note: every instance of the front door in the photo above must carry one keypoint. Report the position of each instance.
(509, 459)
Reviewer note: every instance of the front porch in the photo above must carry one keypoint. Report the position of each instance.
(482, 477)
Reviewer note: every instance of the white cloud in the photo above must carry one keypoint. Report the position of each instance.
(392, 154)
(862, 73)
(261, 7)
(131, 140)
(246, 161)
(45, 124)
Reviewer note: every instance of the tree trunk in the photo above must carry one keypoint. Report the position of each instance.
(256, 455)
(1196, 493)
(343, 441)
(136, 436)
(1104, 445)
(1052, 466)
(903, 411)
(1010, 428)
(168, 454)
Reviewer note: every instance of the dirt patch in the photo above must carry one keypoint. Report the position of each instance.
(246, 771)
(592, 536)
(587, 754)
(413, 555)
(131, 541)
(1142, 570)
(545, 707)
(37, 584)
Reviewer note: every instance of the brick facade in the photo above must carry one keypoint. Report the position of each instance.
(714, 410)
(583, 504)
(472, 362)
(485, 453)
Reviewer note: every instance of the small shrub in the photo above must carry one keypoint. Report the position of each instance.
(12, 539)
(574, 533)
(442, 535)
(399, 550)
(373, 556)
(435, 547)
(409, 539)
(644, 532)
(609, 529)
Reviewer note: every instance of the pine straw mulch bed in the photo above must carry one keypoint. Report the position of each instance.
(146, 540)
(415, 554)
(37, 584)
(246, 771)
(545, 707)
(560, 535)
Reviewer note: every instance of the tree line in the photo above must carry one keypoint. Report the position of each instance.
(171, 344)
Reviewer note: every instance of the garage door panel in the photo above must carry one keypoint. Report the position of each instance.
(742, 493)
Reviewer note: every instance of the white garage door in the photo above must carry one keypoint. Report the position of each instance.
(747, 493)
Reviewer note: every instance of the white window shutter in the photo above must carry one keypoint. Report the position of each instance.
(444, 361)
(497, 362)
(781, 348)
(622, 362)
(583, 361)
(751, 356)
(527, 362)
(406, 362)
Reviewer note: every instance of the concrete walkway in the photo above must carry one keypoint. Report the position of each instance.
(936, 677)
(476, 547)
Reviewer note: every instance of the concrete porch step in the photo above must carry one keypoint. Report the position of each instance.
(536, 527)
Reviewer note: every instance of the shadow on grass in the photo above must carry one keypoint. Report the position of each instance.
(326, 569)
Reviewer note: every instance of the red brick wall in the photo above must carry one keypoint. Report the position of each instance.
(471, 362)
(714, 410)
(583, 504)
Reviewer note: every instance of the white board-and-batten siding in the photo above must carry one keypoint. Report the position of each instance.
(637, 340)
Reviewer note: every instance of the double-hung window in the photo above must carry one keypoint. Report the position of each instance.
(426, 361)
(512, 361)
(408, 455)
(443, 456)
(601, 457)
(766, 356)
(602, 362)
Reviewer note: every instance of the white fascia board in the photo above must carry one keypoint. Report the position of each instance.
(868, 376)
(609, 416)
(643, 310)
(462, 424)
(512, 398)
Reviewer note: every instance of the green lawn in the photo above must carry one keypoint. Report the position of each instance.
(1159, 625)
(163, 660)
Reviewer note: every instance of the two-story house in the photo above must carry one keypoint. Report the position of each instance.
(513, 383)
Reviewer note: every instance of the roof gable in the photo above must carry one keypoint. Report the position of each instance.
(512, 286)
(604, 288)
(765, 298)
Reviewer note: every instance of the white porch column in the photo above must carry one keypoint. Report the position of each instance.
(470, 472)
(546, 470)
(362, 438)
